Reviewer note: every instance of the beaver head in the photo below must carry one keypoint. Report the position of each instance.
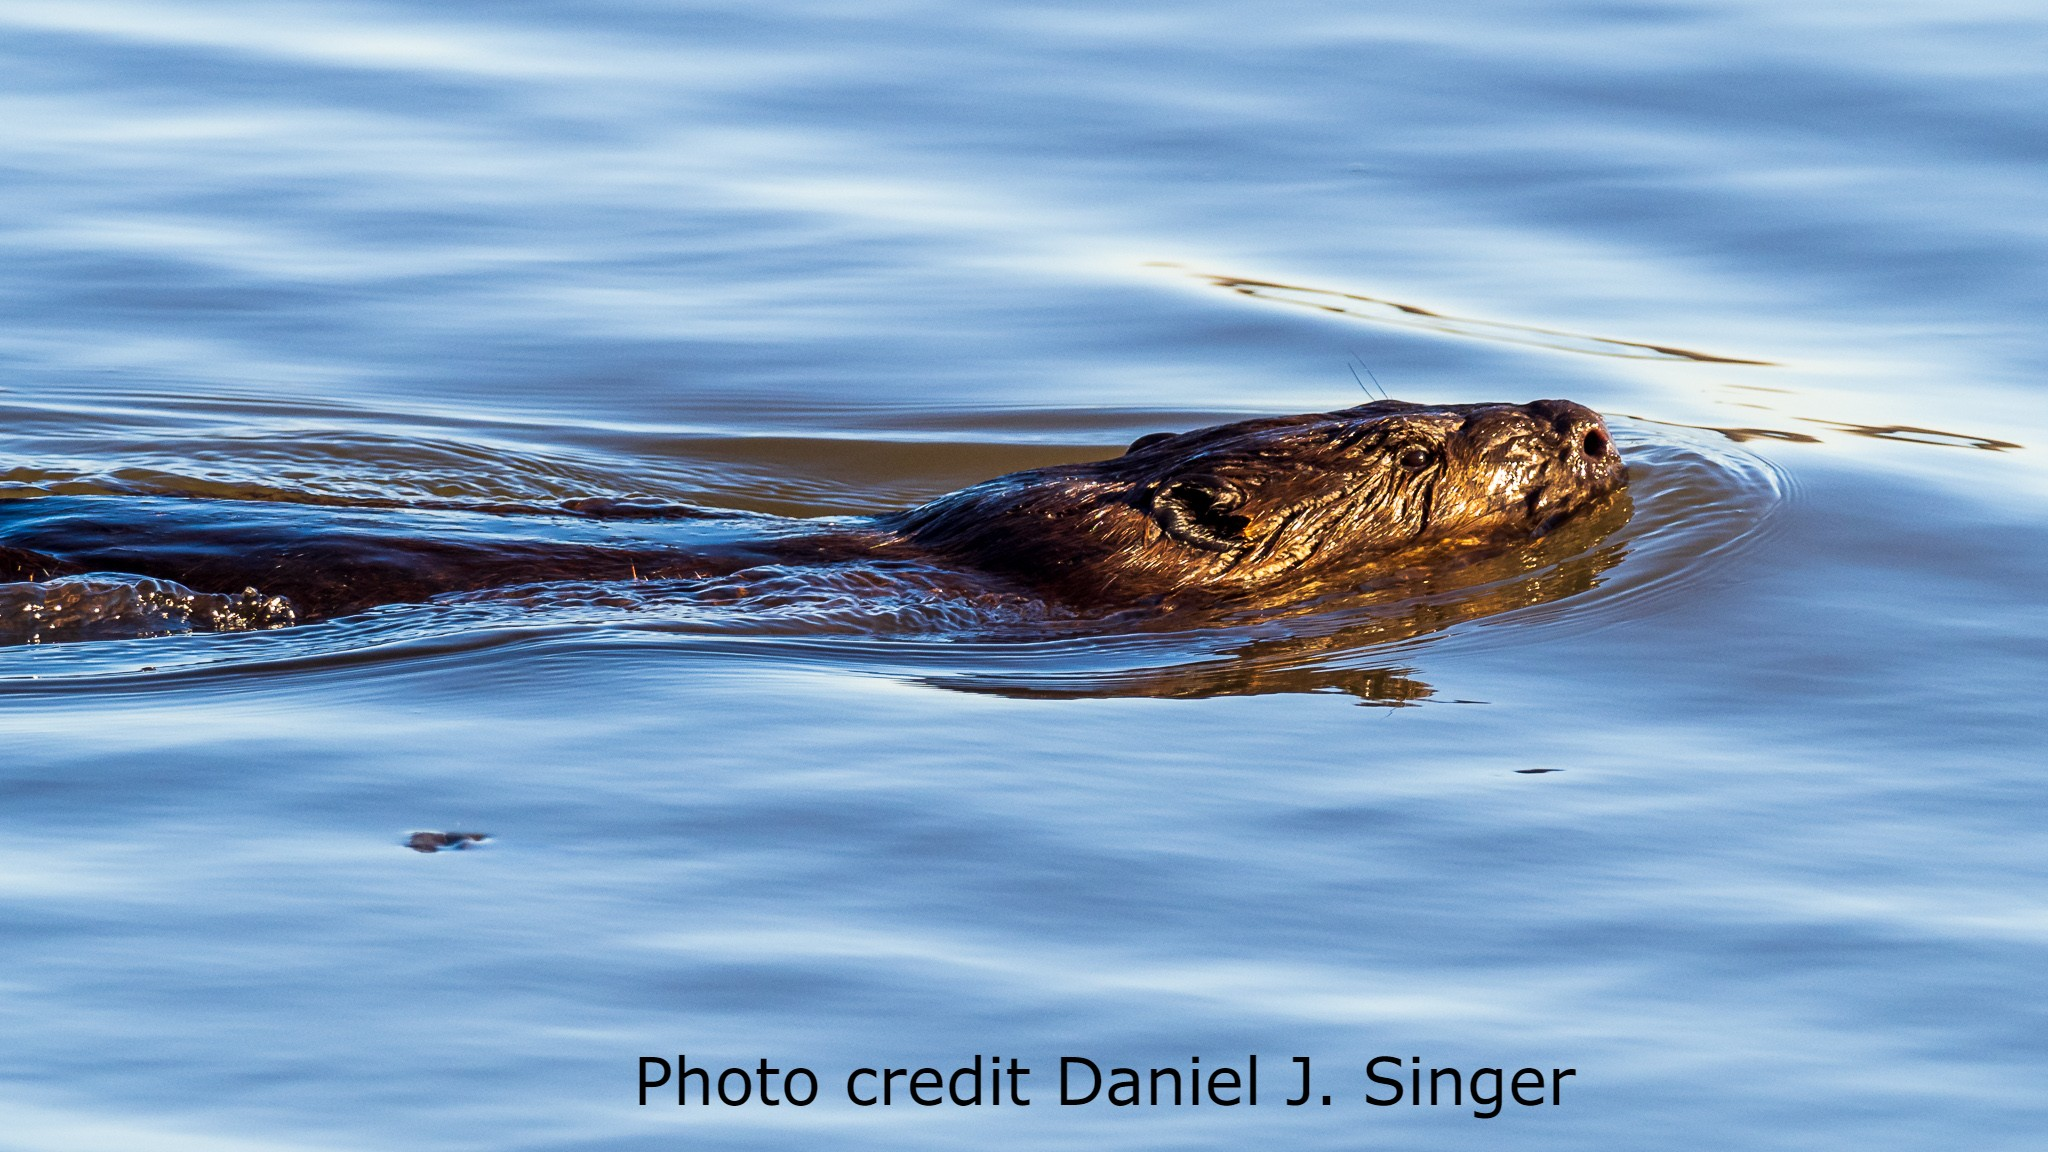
(1283, 507)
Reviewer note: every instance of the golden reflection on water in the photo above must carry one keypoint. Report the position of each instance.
(1907, 434)
(1738, 435)
(1383, 311)
(1898, 433)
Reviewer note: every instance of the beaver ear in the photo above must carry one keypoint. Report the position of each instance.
(1148, 440)
(1196, 510)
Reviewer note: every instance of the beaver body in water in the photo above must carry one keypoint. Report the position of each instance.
(1259, 512)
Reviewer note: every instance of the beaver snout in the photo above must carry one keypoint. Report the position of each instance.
(1582, 437)
(1578, 427)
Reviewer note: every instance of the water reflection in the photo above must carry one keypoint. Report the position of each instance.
(1383, 311)
(1900, 433)
(1738, 435)
(1379, 687)
(1908, 434)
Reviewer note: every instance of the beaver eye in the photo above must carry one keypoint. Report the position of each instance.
(1415, 459)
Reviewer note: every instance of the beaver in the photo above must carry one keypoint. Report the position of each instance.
(1258, 512)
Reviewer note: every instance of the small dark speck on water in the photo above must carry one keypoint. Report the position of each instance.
(444, 841)
(1535, 771)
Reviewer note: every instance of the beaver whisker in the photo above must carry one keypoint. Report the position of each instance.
(1428, 513)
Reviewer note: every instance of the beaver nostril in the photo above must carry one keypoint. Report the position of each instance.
(1596, 444)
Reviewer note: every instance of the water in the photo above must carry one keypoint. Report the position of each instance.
(1732, 811)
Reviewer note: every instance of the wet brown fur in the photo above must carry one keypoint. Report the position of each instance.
(1280, 508)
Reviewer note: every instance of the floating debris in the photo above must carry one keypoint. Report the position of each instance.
(445, 841)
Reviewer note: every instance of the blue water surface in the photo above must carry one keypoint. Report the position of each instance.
(1742, 825)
